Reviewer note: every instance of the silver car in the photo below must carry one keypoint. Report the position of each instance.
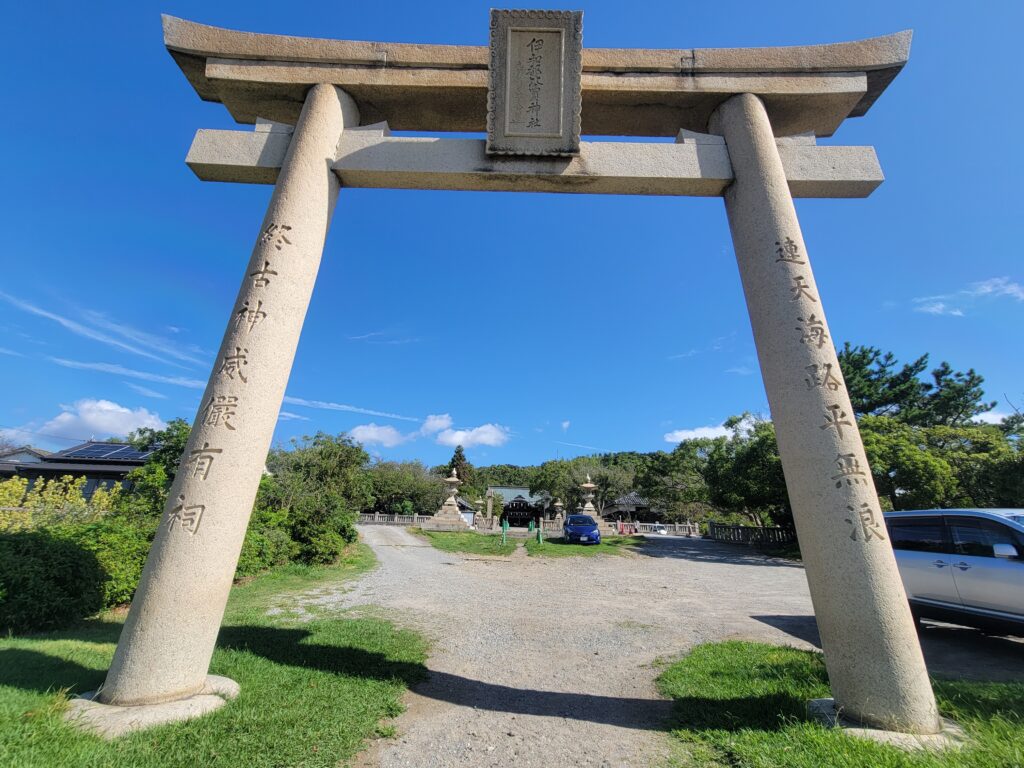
(965, 566)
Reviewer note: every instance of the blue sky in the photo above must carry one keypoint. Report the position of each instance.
(626, 329)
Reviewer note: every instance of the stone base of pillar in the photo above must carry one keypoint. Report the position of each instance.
(448, 518)
(824, 711)
(111, 721)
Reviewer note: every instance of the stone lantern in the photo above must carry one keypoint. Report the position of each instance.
(558, 506)
(588, 497)
(448, 517)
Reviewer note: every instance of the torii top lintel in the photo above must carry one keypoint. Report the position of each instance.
(626, 91)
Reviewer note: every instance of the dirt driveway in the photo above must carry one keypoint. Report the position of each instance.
(551, 662)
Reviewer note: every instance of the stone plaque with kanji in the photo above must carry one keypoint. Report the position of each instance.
(533, 102)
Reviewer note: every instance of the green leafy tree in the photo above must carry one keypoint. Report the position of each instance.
(744, 472)
(321, 485)
(406, 488)
(462, 467)
(167, 444)
(674, 482)
(953, 398)
(145, 492)
(556, 478)
(879, 386)
(612, 481)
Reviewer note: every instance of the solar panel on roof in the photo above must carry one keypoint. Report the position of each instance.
(88, 452)
(109, 451)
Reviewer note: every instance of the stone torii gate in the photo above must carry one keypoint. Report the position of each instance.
(745, 122)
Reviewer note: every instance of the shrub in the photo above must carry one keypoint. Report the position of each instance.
(323, 548)
(120, 548)
(12, 491)
(46, 581)
(15, 519)
(264, 548)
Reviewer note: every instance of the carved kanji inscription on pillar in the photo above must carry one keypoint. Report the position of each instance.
(534, 101)
(187, 516)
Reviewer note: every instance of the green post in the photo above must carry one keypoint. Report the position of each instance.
(530, 527)
(540, 533)
(504, 530)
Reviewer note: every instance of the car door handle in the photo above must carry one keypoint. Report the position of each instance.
(962, 566)
(940, 563)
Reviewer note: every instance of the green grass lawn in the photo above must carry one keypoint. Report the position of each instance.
(311, 692)
(472, 543)
(742, 704)
(610, 545)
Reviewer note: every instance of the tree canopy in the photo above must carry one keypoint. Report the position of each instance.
(880, 386)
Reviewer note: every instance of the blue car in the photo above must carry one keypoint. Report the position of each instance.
(581, 529)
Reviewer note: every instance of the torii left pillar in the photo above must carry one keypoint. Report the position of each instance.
(164, 652)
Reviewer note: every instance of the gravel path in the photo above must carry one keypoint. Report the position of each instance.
(548, 662)
(551, 662)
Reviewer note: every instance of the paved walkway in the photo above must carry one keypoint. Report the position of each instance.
(552, 662)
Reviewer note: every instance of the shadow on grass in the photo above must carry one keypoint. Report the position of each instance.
(37, 670)
(769, 712)
(289, 646)
(41, 672)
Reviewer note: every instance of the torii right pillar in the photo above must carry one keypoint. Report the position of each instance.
(872, 652)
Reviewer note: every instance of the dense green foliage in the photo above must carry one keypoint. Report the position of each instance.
(924, 444)
(743, 704)
(880, 386)
(462, 468)
(320, 485)
(167, 444)
(46, 581)
(120, 548)
(313, 691)
(404, 488)
(923, 441)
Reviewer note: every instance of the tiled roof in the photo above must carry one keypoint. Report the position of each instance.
(631, 499)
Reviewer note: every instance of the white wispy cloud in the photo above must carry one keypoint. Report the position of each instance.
(182, 381)
(435, 423)
(933, 307)
(565, 425)
(679, 435)
(169, 347)
(740, 370)
(5, 351)
(438, 426)
(120, 370)
(997, 286)
(486, 434)
(682, 355)
(955, 304)
(329, 406)
(710, 431)
(383, 337)
(714, 345)
(87, 331)
(379, 434)
(578, 445)
(99, 419)
(145, 391)
(992, 417)
(289, 416)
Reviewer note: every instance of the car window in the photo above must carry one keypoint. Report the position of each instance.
(917, 534)
(975, 537)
